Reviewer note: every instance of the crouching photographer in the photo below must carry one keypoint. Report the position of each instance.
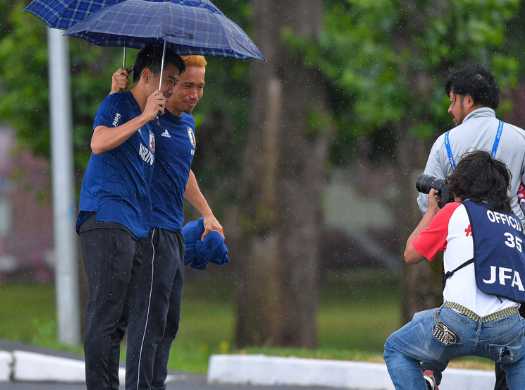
(484, 265)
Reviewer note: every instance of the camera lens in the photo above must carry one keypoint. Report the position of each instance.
(426, 182)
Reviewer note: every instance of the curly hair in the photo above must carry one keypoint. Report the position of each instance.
(481, 178)
(474, 80)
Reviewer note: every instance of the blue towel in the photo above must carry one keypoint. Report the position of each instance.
(199, 253)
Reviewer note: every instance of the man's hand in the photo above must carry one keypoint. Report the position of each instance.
(433, 199)
(120, 80)
(412, 256)
(155, 105)
(211, 224)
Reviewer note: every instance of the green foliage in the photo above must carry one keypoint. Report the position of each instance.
(387, 64)
(23, 73)
(24, 98)
(318, 122)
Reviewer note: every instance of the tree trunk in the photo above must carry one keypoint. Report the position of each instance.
(284, 164)
(420, 284)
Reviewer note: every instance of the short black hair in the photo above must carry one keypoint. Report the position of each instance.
(481, 178)
(475, 80)
(151, 57)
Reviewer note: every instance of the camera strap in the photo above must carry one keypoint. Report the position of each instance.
(494, 146)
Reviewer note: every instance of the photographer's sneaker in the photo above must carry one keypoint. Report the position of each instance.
(431, 380)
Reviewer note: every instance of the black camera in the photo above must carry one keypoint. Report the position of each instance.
(425, 182)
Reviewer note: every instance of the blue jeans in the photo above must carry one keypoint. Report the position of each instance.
(501, 340)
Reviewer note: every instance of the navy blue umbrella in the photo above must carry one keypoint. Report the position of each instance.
(185, 29)
(63, 14)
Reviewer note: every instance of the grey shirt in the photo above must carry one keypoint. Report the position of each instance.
(478, 131)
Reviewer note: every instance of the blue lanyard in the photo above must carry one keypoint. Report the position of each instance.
(449, 152)
(494, 147)
(496, 141)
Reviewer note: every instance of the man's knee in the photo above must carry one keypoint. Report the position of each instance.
(389, 352)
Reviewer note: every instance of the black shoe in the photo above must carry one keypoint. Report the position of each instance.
(431, 380)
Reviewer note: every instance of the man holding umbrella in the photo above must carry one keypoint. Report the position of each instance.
(155, 316)
(115, 207)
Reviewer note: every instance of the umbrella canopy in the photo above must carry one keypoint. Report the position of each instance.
(186, 29)
(63, 14)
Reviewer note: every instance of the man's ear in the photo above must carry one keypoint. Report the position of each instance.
(147, 75)
(468, 101)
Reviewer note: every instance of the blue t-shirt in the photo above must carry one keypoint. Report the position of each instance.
(116, 182)
(175, 150)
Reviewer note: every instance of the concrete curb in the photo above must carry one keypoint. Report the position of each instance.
(260, 370)
(6, 362)
(31, 367)
(35, 367)
(271, 371)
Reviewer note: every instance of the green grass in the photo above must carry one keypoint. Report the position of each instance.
(23, 309)
(207, 322)
(357, 312)
(28, 315)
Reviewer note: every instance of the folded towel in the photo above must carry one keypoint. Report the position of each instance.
(199, 253)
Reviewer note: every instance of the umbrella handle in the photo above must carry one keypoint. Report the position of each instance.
(162, 65)
(124, 59)
(160, 79)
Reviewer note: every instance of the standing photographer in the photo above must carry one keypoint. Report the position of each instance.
(474, 95)
(484, 261)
